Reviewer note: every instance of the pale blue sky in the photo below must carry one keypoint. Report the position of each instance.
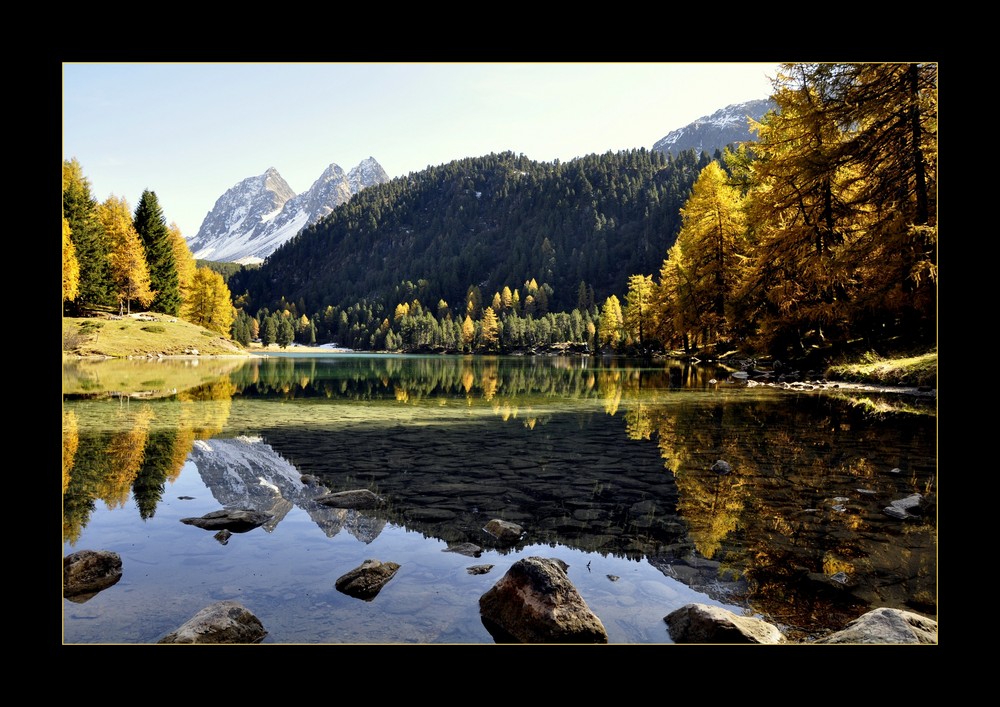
(191, 131)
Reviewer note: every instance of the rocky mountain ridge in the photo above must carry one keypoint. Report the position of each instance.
(725, 126)
(258, 214)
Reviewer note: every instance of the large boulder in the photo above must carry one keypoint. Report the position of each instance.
(886, 626)
(222, 622)
(87, 572)
(236, 520)
(367, 580)
(704, 623)
(536, 603)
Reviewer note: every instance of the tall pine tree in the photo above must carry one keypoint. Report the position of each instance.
(89, 240)
(151, 226)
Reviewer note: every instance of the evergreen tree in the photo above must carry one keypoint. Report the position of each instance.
(90, 243)
(286, 331)
(269, 332)
(151, 226)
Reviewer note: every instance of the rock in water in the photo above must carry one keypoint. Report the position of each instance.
(721, 467)
(87, 572)
(367, 580)
(536, 603)
(233, 520)
(222, 622)
(703, 623)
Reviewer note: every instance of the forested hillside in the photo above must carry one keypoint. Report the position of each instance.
(487, 222)
(817, 237)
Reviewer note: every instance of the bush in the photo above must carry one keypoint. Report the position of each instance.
(154, 328)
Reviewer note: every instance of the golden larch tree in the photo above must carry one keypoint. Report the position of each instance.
(183, 260)
(209, 303)
(490, 331)
(70, 266)
(129, 270)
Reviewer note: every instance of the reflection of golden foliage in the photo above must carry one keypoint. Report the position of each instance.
(183, 444)
(638, 425)
(468, 378)
(530, 422)
(71, 440)
(401, 395)
(833, 564)
(304, 382)
(490, 383)
(861, 468)
(610, 385)
(205, 411)
(711, 506)
(126, 452)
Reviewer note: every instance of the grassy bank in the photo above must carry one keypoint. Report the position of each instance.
(146, 334)
(913, 370)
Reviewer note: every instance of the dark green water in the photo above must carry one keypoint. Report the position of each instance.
(605, 464)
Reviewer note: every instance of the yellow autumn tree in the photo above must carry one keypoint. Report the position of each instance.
(610, 330)
(209, 303)
(490, 331)
(183, 259)
(129, 270)
(468, 333)
(713, 242)
(70, 266)
(638, 314)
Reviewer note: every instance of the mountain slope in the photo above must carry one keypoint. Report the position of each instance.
(713, 132)
(486, 222)
(260, 213)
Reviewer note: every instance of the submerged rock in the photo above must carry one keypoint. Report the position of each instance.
(222, 622)
(503, 530)
(536, 603)
(87, 572)
(721, 467)
(357, 499)
(367, 580)
(467, 549)
(238, 520)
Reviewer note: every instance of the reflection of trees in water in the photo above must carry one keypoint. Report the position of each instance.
(70, 442)
(148, 449)
(125, 452)
(413, 379)
(800, 515)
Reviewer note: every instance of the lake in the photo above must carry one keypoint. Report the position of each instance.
(605, 463)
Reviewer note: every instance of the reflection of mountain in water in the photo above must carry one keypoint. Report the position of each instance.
(245, 472)
(572, 480)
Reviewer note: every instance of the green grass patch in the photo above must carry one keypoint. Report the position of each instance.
(917, 370)
(132, 337)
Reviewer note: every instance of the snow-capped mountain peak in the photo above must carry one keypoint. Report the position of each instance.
(254, 217)
(725, 126)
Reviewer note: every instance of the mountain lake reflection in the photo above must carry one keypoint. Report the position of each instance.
(605, 463)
